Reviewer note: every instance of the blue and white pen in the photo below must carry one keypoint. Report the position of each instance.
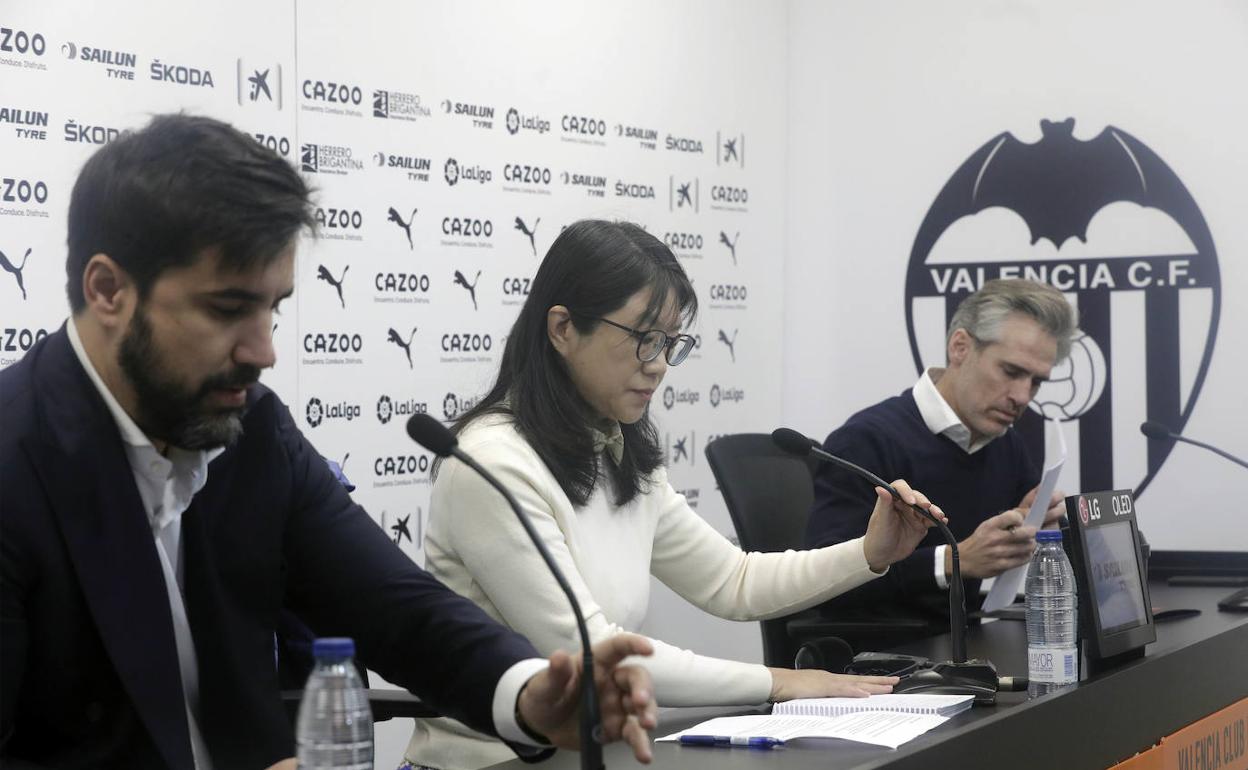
(729, 741)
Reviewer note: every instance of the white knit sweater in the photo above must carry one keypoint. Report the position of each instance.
(475, 545)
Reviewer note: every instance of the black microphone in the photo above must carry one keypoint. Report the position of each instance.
(1158, 432)
(978, 678)
(791, 441)
(434, 436)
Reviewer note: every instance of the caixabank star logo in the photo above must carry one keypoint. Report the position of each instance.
(1107, 222)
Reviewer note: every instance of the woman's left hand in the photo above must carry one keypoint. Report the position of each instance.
(895, 528)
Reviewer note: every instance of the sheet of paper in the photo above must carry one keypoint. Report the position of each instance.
(907, 702)
(1008, 584)
(880, 728)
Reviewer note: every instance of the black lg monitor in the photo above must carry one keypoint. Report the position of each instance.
(1116, 617)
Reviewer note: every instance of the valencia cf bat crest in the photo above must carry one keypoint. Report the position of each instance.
(1106, 221)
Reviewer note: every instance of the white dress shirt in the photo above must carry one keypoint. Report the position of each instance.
(166, 483)
(941, 420)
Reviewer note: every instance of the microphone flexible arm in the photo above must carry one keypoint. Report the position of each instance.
(1158, 432)
(1213, 449)
(591, 728)
(957, 597)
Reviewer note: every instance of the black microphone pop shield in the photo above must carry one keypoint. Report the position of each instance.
(432, 435)
(1156, 431)
(791, 441)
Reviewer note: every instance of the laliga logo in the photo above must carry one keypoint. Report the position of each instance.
(1107, 222)
(315, 412)
(451, 171)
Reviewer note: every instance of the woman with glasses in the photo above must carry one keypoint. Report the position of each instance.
(566, 428)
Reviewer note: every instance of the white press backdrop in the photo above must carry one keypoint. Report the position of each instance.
(460, 123)
(846, 118)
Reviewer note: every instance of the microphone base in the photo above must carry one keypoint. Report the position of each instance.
(974, 677)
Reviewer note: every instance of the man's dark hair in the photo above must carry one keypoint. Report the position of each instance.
(153, 199)
(593, 268)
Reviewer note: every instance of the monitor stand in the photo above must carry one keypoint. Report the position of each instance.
(1100, 666)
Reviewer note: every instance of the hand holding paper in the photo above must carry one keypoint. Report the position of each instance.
(1042, 513)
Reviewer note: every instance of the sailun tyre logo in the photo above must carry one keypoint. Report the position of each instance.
(1107, 222)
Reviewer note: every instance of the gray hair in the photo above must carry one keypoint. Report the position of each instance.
(982, 313)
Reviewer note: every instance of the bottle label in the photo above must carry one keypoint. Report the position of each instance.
(1053, 665)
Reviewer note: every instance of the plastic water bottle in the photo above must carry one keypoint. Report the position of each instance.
(1052, 655)
(334, 730)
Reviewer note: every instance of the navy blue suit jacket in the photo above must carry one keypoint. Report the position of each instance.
(892, 440)
(88, 664)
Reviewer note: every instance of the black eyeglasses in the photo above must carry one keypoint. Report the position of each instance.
(652, 342)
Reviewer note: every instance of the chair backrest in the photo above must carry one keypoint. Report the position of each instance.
(768, 491)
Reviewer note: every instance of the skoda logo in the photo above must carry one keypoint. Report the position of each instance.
(1107, 222)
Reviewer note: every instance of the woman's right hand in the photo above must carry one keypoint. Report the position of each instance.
(787, 684)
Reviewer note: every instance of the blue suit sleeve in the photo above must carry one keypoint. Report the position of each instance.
(345, 577)
(843, 504)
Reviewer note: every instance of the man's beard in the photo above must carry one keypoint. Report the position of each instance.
(169, 411)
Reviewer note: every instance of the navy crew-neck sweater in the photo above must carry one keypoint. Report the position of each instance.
(891, 439)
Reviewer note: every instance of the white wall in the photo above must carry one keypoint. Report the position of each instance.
(887, 100)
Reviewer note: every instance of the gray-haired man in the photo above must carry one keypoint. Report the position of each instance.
(950, 435)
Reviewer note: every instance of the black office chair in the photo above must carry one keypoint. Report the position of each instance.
(769, 493)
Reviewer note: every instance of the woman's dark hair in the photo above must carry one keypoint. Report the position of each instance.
(593, 268)
(153, 199)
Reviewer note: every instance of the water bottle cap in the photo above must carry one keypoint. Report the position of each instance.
(333, 648)
(1049, 536)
